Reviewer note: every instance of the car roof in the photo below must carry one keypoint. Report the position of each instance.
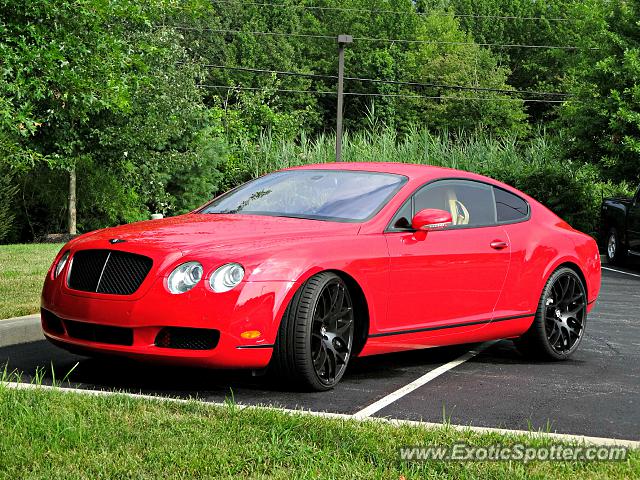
(411, 170)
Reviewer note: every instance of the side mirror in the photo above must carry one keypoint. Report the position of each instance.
(431, 219)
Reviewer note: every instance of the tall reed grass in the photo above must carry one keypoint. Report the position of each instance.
(571, 189)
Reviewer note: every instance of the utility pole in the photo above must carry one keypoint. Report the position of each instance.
(342, 41)
(72, 200)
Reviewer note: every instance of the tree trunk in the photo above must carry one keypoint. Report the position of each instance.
(72, 200)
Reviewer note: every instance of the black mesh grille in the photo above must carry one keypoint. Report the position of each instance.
(99, 333)
(122, 274)
(187, 338)
(86, 269)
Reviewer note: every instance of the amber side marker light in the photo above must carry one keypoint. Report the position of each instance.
(250, 334)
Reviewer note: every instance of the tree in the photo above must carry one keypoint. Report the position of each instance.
(504, 26)
(93, 87)
(603, 124)
(61, 61)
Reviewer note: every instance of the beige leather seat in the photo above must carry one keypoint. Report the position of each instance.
(459, 213)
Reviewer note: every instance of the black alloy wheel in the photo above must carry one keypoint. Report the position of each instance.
(560, 320)
(315, 339)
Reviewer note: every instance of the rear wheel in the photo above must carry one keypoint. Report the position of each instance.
(315, 338)
(615, 249)
(560, 319)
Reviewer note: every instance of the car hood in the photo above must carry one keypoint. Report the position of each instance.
(190, 232)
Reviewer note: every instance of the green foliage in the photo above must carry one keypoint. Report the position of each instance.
(129, 95)
(454, 62)
(563, 23)
(603, 127)
(89, 86)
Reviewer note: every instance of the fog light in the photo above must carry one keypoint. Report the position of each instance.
(250, 334)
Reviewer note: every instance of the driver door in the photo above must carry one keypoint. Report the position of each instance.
(444, 278)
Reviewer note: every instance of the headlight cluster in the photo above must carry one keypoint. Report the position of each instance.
(187, 275)
(61, 263)
(226, 277)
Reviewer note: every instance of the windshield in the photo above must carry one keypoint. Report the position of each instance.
(337, 195)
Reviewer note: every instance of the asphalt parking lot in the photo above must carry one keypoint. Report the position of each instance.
(596, 393)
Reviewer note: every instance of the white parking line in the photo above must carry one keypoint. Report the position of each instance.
(419, 382)
(559, 437)
(621, 271)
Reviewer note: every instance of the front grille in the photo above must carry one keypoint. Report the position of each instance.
(187, 338)
(99, 333)
(108, 271)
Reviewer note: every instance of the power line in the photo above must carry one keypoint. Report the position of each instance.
(246, 32)
(391, 82)
(396, 95)
(283, 90)
(498, 45)
(393, 12)
(370, 39)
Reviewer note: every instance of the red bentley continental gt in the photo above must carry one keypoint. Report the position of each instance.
(302, 269)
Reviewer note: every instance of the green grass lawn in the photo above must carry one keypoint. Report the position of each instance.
(53, 434)
(22, 271)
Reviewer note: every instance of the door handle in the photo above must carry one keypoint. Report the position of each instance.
(499, 244)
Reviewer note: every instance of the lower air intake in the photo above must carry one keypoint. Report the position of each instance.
(92, 332)
(187, 338)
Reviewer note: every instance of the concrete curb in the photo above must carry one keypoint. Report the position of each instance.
(18, 330)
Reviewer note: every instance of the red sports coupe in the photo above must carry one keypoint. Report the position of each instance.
(302, 269)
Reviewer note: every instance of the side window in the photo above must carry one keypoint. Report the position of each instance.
(509, 207)
(402, 219)
(470, 203)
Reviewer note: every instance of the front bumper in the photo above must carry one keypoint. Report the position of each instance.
(252, 306)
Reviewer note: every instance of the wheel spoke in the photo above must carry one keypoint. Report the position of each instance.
(574, 313)
(575, 298)
(319, 360)
(564, 289)
(555, 335)
(333, 299)
(331, 365)
(344, 330)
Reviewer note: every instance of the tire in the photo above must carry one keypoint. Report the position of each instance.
(315, 338)
(614, 248)
(560, 320)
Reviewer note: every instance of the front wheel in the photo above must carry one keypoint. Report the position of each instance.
(315, 338)
(560, 320)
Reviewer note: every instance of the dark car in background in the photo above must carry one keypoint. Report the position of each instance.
(620, 228)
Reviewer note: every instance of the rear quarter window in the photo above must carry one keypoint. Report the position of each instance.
(510, 207)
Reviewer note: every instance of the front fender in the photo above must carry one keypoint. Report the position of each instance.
(363, 258)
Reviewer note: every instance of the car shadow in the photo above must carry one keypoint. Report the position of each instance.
(52, 365)
(377, 375)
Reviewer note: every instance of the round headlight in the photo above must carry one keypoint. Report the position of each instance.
(226, 277)
(184, 277)
(61, 263)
